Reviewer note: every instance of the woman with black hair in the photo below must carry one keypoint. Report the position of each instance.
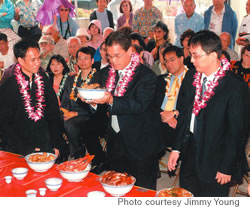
(58, 72)
(161, 36)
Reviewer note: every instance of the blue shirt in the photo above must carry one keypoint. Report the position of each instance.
(182, 23)
(5, 21)
(73, 27)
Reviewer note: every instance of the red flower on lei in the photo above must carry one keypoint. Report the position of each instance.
(201, 102)
(33, 114)
(124, 81)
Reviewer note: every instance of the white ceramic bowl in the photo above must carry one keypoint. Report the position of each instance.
(40, 166)
(117, 190)
(31, 193)
(19, 173)
(89, 94)
(75, 176)
(53, 183)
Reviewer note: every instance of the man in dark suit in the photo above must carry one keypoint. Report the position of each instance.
(212, 125)
(133, 134)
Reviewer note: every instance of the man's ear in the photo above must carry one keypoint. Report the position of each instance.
(20, 60)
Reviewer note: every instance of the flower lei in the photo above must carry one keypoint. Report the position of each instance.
(87, 80)
(24, 90)
(125, 79)
(62, 84)
(201, 102)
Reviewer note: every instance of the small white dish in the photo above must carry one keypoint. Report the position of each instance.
(53, 183)
(31, 193)
(42, 191)
(94, 194)
(19, 173)
(8, 179)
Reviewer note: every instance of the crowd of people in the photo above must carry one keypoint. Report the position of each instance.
(192, 96)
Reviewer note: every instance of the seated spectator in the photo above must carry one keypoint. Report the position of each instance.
(7, 57)
(67, 26)
(58, 71)
(225, 39)
(95, 31)
(83, 35)
(245, 28)
(106, 32)
(185, 37)
(60, 43)
(83, 122)
(104, 62)
(161, 36)
(159, 66)
(127, 18)
(137, 39)
(102, 14)
(74, 44)
(242, 67)
(47, 46)
(6, 13)
(188, 20)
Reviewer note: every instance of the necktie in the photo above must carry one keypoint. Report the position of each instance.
(204, 86)
(172, 96)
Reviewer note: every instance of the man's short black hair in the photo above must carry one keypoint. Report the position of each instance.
(137, 36)
(208, 40)
(20, 48)
(3, 37)
(172, 48)
(120, 38)
(86, 50)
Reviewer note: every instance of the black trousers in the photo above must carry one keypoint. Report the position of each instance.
(145, 170)
(33, 33)
(80, 131)
(189, 178)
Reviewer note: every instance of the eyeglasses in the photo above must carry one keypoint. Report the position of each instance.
(115, 56)
(197, 56)
(66, 10)
(170, 60)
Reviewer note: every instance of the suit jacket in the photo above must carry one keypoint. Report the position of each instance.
(221, 130)
(138, 119)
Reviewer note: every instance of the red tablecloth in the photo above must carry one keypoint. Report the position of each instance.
(35, 180)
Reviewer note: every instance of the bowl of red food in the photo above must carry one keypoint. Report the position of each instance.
(75, 170)
(174, 192)
(117, 184)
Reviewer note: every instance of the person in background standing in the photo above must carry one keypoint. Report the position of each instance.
(67, 26)
(6, 14)
(221, 18)
(102, 14)
(127, 18)
(25, 14)
(188, 20)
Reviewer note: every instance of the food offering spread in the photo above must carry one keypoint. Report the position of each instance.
(43, 157)
(117, 179)
(174, 192)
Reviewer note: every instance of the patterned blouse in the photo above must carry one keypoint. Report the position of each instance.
(28, 13)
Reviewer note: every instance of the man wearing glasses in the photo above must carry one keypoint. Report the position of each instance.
(133, 140)
(212, 126)
(25, 14)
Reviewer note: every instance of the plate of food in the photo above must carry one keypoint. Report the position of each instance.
(174, 192)
(91, 91)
